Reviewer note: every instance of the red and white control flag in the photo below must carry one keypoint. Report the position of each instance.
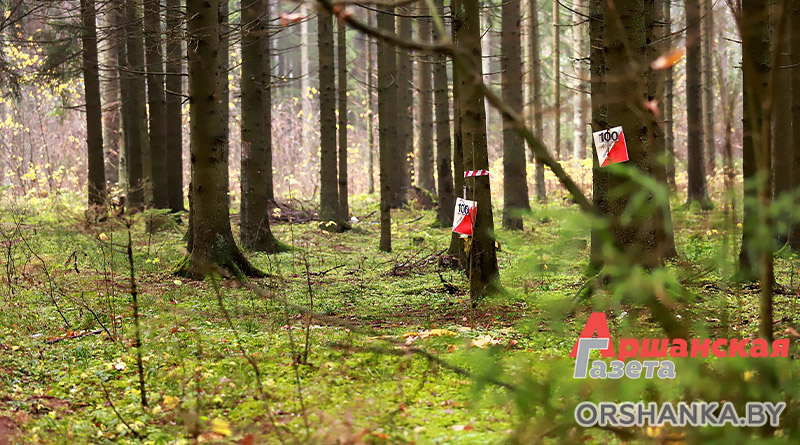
(610, 144)
(471, 173)
(464, 218)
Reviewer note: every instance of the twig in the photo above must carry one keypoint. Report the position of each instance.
(136, 327)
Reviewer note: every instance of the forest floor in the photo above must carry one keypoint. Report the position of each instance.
(396, 355)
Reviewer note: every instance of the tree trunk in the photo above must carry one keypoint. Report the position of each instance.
(156, 102)
(557, 83)
(370, 113)
(794, 26)
(536, 98)
(137, 155)
(173, 99)
(756, 53)
(580, 40)
(265, 87)
(329, 194)
(656, 46)
(118, 7)
(444, 147)
(707, 26)
(425, 171)
(456, 242)
(668, 99)
(634, 237)
(96, 181)
(110, 92)
(515, 184)
(694, 109)
(387, 123)
(344, 211)
(223, 95)
(405, 115)
(782, 151)
(597, 81)
(481, 264)
(255, 231)
(211, 241)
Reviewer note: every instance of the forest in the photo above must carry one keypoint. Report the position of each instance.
(399, 221)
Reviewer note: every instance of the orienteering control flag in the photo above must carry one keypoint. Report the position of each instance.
(610, 144)
(464, 218)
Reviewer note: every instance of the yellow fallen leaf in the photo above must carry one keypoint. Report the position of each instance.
(170, 402)
(103, 237)
(748, 375)
(221, 426)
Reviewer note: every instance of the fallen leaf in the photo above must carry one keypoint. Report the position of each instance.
(221, 426)
(170, 402)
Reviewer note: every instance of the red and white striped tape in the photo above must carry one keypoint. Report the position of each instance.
(471, 173)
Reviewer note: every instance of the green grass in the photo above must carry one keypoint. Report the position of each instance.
(359, 381)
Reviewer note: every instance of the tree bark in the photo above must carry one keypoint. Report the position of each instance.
(329, 194)
(668, 99)
(174, 96)
(110, 92)
(425, 177)
(96, 181)
(581, 97)
(515, 184)
(156, 102)
(444, 149)
(403, 172)
(344, 210)
(456, 242)
(694, 109)
(266, 103)
(709, 142)
(597, 81)
(211, 242)
(634, 238)
(255, 231)
(557, 83)
(370, 113)
(794, 26)
(536, 98)
(481, 264)
(387, 123)
(136, 140)
(782, 151)
(656, 46)
(223, 95)
(756, 53)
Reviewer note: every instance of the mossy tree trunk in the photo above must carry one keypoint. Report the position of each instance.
(211, 241)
